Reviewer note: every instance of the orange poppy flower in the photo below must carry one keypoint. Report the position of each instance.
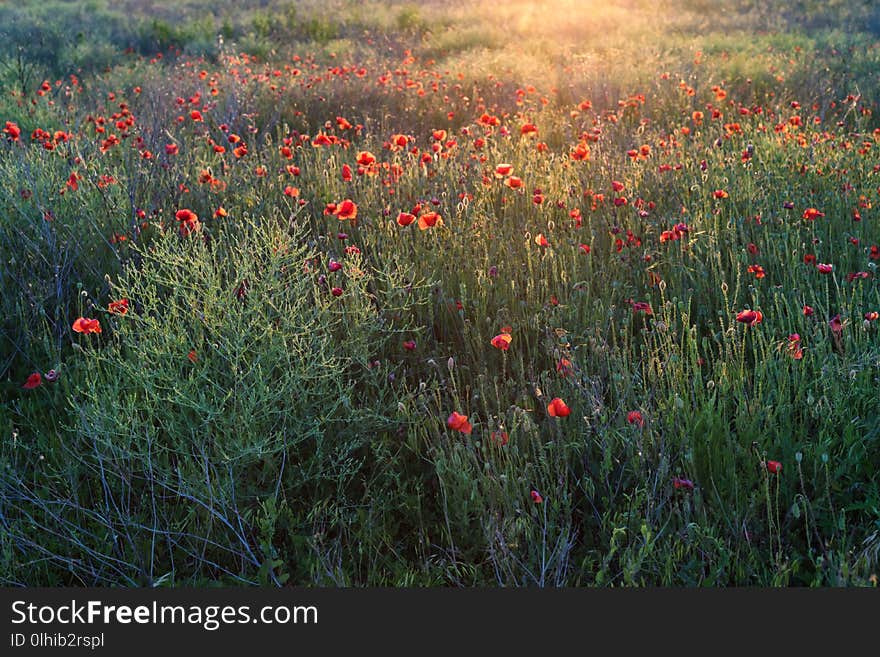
(514, 182)
(540, 240)
(558, 408)
(86, 325)
(365, 158)
(459, 422)
(812, 214)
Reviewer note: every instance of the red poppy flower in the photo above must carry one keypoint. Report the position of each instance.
(33, 381)
(336, 291)
(720, 193)
(502, 341)
(536, 497)
(584, 248)
(365, 158)
(499, 438)
(824, 268)
(812, 213)
(12, 130)
(192, 356)
(409, 345)
(808, 311)
(85, 325)
(529, 130)
(682, 484)
(794, 346)
(757, 270)
(564, 367)
(459, 422)
(346, 210)
(514, 182)
(540, 240)
(429, 220)
(774, 467)
(872, 316)
(118, 307)
(750, 317)
(642, 306)
(503, 170)
(405, 218)
(836, 325)
(617, 186)
(634, 417)
(558, 408)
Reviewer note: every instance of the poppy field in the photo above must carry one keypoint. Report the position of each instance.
(440, 294)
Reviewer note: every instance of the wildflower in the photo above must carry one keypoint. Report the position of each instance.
(536, 497)
(824, 268)
(564, 367)
(503, 170)
(336, 291)
(774, 467)
(794, 346)
(405, 218)
(720, 193)
(500, 438)
(540, 240)
(12, 131)
(192, 356)
(836, 325)
(558, 408)
(459, 422)
(682, 484)
(86, 325)
(409, 345)
(502, 341)
(812, 214)
(808, 311)
(33, 381)
(346, 210)
(429, 220)
(529, 130)
(634, 417)
(118, 307)
(514, 182)
(750, 317)
(757, 270)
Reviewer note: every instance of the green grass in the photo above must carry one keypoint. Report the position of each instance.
(272, 408)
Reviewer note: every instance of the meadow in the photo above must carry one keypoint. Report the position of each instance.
(439, 294)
